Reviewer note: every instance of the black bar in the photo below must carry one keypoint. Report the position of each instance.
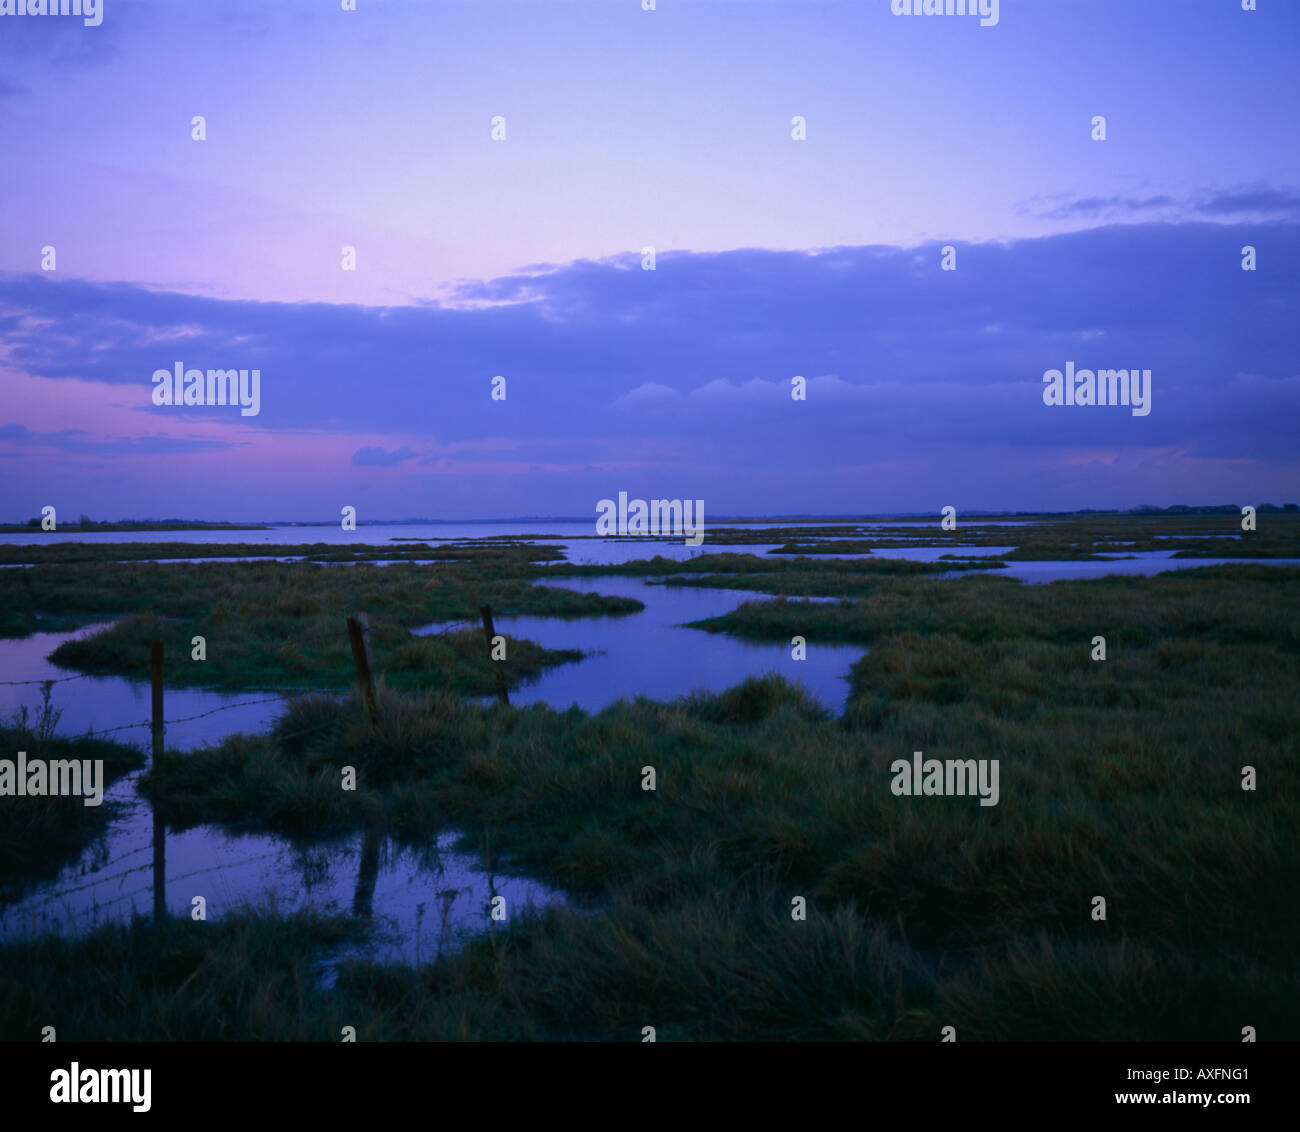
(893, 1083)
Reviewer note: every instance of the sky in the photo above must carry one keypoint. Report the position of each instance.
(522, 255)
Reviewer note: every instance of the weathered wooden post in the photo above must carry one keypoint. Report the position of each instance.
(156, 680)
(359, 636)
(159, 829)
(489, 631)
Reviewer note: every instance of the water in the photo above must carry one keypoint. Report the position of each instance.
(970, 521)
(650, 654)
(1145, 562)
(611, 552)
(122, 706)
(920, 553)
(571, 538)
(416, 900)
(378, 533)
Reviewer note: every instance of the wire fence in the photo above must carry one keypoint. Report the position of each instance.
(96, 732)
(281, 693)
(103, 878)
(47, 680)
(116, 880)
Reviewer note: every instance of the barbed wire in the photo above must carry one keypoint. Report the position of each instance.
(48, 680)
(223, 707)
(99, 879)
(95, 734)
(279, 697)
(186, 718)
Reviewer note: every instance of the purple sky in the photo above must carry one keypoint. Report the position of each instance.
(522, 258)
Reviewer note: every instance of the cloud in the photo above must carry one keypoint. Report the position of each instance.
(752, 391)
(1093, 207)
(650, 395)
(40, 42)
(1259, 200)
(78, 440)
(689, 366)
(381, 458)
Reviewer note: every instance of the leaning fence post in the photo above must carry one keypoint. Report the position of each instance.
(159, 830)
(489, 631)
(359, 636)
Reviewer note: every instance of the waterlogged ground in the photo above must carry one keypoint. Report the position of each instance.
(417, 901)
(574, 538)
(119, 706)
(575, 541)
(422, 900)
(1143, 562)
(652, 654)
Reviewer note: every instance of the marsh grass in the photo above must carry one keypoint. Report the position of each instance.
(726, 966)
(1120, 778)
(269, 624)
(38, 835)
(491, 552)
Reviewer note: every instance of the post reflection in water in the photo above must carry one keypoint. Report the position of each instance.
(364, 897)
(159, 869)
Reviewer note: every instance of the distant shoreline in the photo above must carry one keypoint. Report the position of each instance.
(203, 525)
(144, 525)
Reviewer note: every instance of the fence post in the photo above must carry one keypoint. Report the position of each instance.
(159, 829)
(156, 680)
(489, 631)
(358, 635)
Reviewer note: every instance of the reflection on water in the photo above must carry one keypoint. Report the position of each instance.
(915, 553)
(417, 900)
(104, 703)
(1139, 562)
(650, 654)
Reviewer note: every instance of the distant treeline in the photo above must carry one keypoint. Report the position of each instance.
(1183, 509)
(86, 523)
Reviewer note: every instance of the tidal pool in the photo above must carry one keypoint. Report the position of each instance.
(652, 654)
